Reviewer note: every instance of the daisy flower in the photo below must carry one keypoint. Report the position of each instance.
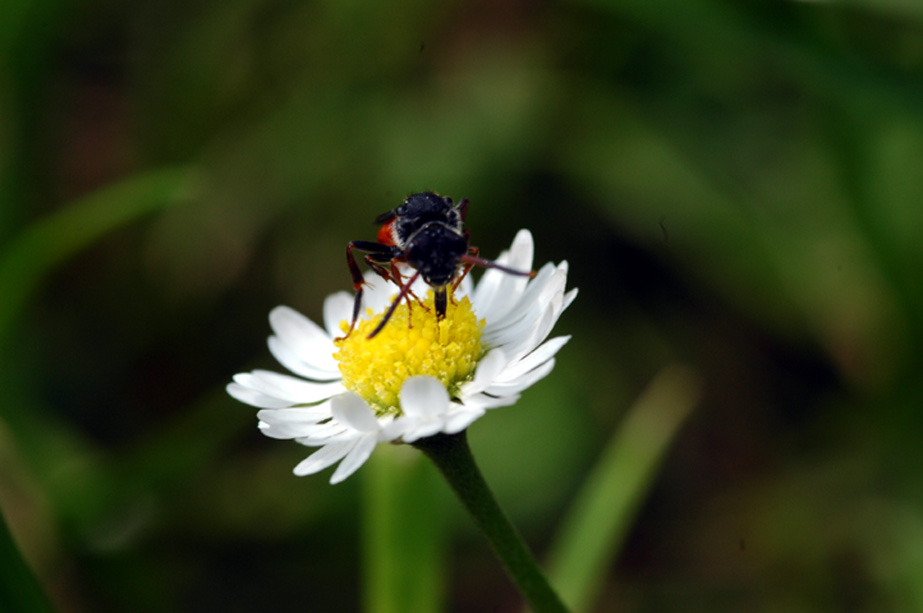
(419, 376)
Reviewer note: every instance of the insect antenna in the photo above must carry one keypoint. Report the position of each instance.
(476, 261)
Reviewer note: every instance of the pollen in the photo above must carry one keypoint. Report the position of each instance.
(413, 342)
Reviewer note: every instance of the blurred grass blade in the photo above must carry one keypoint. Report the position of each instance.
(598, 522)
(19, 588)
(404, 536)
(29, 256)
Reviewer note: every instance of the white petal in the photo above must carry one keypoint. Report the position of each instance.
(395, 429)
(313, 414)
(324, 457)
(545, 325)
(516, 348)
(255, 398)
(385, 436)
(541, 355)
(425, 406)
(310, 367)
(351, 410)
(291, 325)
(568, 298)
(337, 307)
(308, 340)
(422, 429)
(459, 420)
(377, 293)
(423, 395)
(293, 422)
(284, 432)
(498, 291)
(546, 288)
(551, 279)
(527, 311)
(285, 387)
(485, 402)
(354, 459)
(488, 368)
(465, 288)
(326, 433)
(523, 382)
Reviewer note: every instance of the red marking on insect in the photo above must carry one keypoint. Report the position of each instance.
(386, 234)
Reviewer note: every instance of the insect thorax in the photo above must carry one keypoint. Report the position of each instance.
(421, 209)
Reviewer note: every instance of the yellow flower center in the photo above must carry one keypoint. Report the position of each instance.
(413, 342)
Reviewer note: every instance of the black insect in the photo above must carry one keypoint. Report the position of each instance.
(426, 232)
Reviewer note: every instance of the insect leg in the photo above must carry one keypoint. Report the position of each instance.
(399, 280)
(376, 253)
(462, 207)
(472, 251)
(401, 295)
(374, 262)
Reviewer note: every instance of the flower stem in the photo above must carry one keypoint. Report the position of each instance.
(452, 456)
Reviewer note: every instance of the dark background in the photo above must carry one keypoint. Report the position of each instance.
(736, 185)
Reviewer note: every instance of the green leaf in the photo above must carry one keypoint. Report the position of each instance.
(595, 528)
(27, 258)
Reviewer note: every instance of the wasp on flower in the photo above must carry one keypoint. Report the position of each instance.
(436, 369)
(427, 232)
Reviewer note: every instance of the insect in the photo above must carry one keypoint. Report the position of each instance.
(427, 233)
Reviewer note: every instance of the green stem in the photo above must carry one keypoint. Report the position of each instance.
(452, 456)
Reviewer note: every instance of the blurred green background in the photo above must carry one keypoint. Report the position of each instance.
(736, 185)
